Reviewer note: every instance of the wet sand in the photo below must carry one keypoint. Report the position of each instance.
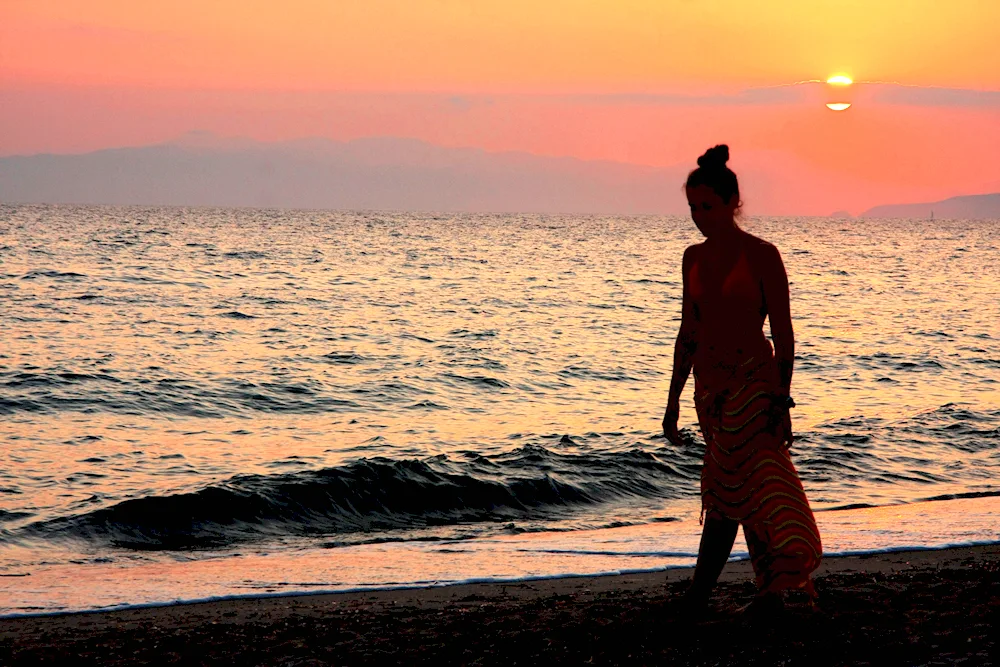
(912, 608)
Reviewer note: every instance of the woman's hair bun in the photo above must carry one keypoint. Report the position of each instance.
(715, 157)
(713, 172)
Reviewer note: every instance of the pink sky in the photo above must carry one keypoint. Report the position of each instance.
(644, 82)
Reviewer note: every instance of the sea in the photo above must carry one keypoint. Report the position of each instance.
(204, 403)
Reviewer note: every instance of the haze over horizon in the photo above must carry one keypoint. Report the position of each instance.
(392, 173)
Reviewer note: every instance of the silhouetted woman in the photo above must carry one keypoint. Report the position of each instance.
(732, 282)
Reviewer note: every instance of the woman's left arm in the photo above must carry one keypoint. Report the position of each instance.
(775, 282)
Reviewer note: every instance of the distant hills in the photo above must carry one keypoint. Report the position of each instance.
(202, 169)
(378, 173)
(967, 207)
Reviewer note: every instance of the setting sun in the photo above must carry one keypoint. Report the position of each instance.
(840, 80)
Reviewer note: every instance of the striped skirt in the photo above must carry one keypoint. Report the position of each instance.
(748, 474)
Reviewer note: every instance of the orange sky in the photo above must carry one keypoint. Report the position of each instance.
(497, 45)
(558, 77)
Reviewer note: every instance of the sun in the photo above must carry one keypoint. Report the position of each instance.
(838, 92)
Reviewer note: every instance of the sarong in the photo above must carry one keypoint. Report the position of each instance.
(748, 474)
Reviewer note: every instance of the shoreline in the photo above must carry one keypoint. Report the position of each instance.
(918, 603)
(740, 565)
(63, 587)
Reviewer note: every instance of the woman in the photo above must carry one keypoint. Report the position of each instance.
(732, 282)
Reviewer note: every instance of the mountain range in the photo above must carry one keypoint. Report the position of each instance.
(203, 169)
(375, 173)
(957, 208)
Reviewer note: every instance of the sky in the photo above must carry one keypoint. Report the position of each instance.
(650, 82)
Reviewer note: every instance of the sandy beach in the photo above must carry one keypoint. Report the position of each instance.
(918, 607)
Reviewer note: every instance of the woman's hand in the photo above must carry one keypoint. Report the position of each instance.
(670, 431)
(786, 430)
(780, 419)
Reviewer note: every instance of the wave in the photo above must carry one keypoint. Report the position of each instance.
(379, 494)
(590, 478)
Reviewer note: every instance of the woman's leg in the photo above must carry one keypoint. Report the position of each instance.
(717, 538)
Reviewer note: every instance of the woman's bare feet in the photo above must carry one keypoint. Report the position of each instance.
(764, 607)
(692, 605)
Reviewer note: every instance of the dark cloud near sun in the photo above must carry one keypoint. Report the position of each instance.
(749, 97)
(804, 92)
(935, 97)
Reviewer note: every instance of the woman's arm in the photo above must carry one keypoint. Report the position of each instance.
(684, 349)
(775, 282)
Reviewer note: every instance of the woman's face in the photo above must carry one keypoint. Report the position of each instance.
(710, 214)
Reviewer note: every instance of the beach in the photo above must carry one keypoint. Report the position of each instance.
(911, 607)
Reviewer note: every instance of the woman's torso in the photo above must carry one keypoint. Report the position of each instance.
(730, 308)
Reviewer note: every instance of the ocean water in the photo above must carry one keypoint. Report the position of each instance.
(191, 399)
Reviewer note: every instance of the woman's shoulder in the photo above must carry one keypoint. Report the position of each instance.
(763, 256)
(759, 247)
(694, 250)
(691, 255)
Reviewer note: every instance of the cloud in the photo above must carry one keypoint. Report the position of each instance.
(935, 97)
(805, 92)
(789, 94)
(802, 92)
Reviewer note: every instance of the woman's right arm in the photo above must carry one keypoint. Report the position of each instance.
(684, 349)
